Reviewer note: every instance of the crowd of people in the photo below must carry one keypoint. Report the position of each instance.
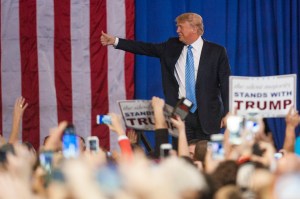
(252, 169)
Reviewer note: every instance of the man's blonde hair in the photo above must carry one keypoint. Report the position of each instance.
(194, 19)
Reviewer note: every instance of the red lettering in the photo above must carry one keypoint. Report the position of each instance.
(131, 120)
(262, 108)
(150, 121)
(142, 121)
(238, 104)
(274, 105)
(249, 104)
(286, 103)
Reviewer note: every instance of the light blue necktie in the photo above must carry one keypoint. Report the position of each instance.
(190, 79)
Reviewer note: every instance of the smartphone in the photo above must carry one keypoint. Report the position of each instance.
(165, 149)
(70, 142)
(235, 126)
(103, 119)
(216, 146)
(93, 143)
(182, 108)
(46, 158)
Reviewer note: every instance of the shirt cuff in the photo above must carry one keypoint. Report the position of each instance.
(122, 137)
(116, 41)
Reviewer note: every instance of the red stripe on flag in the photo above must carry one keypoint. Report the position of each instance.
(98, 56)
(29, 71)
(129, 57)
(62, 59)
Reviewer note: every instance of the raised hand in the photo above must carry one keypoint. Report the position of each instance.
(107, 39)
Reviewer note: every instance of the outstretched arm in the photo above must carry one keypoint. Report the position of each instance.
(183, 147)
(292, 120)
(124, 142)
(19, 109)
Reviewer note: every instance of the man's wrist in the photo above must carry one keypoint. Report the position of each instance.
(116, 41)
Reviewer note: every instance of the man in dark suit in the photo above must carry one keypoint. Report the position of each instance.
(209, 90)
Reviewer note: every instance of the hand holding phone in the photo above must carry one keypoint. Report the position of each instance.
(93, 144)
(70, 142)
(103, 119)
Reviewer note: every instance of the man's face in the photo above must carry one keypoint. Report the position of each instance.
(186, 32)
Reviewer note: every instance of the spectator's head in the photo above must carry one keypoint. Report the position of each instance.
(200, 150)
(4, 150)
(228, 192)
(225, 174)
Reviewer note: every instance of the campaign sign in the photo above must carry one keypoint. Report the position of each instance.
(270, 96)
(139, 115)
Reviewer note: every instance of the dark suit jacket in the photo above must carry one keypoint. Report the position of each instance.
(212, 82)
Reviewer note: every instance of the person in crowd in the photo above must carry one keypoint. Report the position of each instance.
(192, 68)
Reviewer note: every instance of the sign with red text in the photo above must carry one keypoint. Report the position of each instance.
(270, 96)
(139, 115)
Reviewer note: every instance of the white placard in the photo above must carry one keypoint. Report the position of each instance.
(270, 96)
(139, 115)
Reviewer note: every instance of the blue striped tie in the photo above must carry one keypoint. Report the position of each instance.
(190, 79)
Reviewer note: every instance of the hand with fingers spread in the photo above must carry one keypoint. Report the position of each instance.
(107, 39)
(19, 108)
(132, 136)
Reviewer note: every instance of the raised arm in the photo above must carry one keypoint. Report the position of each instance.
(292, 120)
(161, 127)
(183, 148)
(123, 140)
(19, 109)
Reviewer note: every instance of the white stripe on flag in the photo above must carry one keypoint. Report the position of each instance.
(81, 82)
(10, 61)
(47, 92)
(116, 83)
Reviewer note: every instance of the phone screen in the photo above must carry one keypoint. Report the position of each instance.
(217, 150)
(46, 158)
(235, 125)
(93, 144)
(70, 143)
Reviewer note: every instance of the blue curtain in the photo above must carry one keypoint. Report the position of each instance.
(261, 38)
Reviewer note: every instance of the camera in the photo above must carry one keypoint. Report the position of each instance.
(103, 119)
(165, 149)
(70, 142)
(93, 143)
(182, 108)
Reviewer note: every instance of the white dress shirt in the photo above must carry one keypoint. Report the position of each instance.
(181, 62)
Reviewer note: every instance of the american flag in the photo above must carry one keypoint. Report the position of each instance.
(52, 56)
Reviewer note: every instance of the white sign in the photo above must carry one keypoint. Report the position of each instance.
(139, 115)
(270, 96)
